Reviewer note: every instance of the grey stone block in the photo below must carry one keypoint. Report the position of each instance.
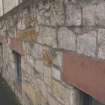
(86, 43)
(47, 35)
(73, 15)
(66, 39)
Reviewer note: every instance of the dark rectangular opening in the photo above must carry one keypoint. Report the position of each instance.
(17, 58)
(1, 58)
(88, 100)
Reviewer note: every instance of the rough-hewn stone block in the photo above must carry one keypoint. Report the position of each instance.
(56, 73)
(43, 13)
(57, 13)
(100, 14)
(66, 39)
(52, 101)
(86, 43)
(49, 12)
(101, 43)
(89, 15)
(101, 53)
(73, 15)
(58, 60)
(47, 35)
(47, 75)
(62, 93)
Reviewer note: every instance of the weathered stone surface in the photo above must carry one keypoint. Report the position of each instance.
(101, 36)
(32, 93)
(73, 15)
(58, 60)
(3, 28)
(8, 5)
(84, 3)
(47, 35)
(52, 101)
(47, 75)
(33, 53)
(56, 73)
(1, 8)
(61, 25)
(39, 67)
(101, 43)
(57, 13)
(86, 43)
(28, 72)
(47, 57)
(43, 13)
(100, 14)
(37, 51)
(12, 32)
(93, 13)
(26, 17)
(101, 53)
(62, 93)
(8, 66)
(42, 87)
(89, 15)
(30, 60)
(28, 35)
(66, 39)
(21, 23)
(9, 22)
(49, 12)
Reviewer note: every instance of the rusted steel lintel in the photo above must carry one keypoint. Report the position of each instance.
(87, 74)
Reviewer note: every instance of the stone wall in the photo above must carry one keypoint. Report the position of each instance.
(1, 8)
(9, 4)
(46, 29)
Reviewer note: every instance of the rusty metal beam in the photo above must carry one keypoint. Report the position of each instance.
(87, 74)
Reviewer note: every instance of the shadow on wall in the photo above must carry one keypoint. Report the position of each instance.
(7, 97)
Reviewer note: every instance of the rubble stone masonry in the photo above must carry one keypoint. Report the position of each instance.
(43, 30)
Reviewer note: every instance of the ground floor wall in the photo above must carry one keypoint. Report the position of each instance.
(39, 86)
(34, 39)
